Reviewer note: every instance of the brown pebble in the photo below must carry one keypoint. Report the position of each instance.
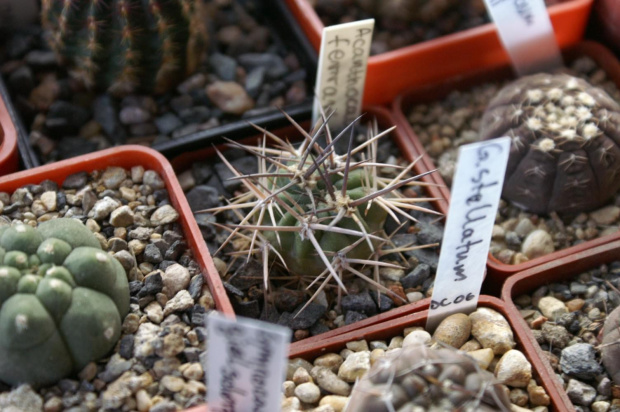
(301, 334)
(399, 291)
(574, 305)
(538, 322)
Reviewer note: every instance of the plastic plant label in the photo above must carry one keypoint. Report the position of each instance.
(476, 189)
(526, 33)
(341, 75)
(246, 362)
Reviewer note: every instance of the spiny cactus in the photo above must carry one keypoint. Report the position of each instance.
(407, 10)
(419, 378)
(565, 153)
(317, 213)
(610, 345)
(127, 45)
(62, 300)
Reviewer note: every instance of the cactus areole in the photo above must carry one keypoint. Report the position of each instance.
(62, 300)
(127, 46)
(565, 153)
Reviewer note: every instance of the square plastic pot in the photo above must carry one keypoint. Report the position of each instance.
(498, 271)
(127, 157)
(8, 136)
(284, 31)
(431, 61)
(385, 120)
(396, 326)
(561, 269)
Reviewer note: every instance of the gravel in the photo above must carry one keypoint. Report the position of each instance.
(155, 365)
(569, 338)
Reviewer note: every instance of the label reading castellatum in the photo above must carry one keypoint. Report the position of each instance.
(526, 33)
(342, 71)
(476, 189)
(246, 364)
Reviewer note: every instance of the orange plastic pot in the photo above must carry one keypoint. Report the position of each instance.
(558, 270)
(431, 61)
(417, 317)
(8, 139)
(498, 271)
(407, 150)
(127, 157)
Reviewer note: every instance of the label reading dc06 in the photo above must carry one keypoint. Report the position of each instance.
(476, 190)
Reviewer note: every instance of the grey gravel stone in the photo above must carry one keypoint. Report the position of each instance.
(579, 360)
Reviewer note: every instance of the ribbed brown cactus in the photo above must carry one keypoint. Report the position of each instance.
(610, 347)
(127, 45)
(565, 153)
(420, 378)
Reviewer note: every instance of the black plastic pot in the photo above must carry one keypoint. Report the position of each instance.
(284, 30)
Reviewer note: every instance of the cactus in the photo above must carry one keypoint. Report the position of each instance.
(62, 300)
(420, 378)
(565, 153)
(610, 345)
(317, 213)
(407, 10)
(127, 46)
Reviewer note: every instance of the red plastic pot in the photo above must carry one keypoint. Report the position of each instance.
(408, 151)
(127, 157)
(558, 270)
(417, 317)
(8, 141)
(498, 271)
(392, 72)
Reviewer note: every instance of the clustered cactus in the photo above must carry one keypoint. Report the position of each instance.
(62, 301)
(565, 153)
(610, 345)
(407, 10)
(421, 378)
(319, 214)
(127, 45)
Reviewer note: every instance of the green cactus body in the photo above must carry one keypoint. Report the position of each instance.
(63, 307)
(299, 253)
(128, 45)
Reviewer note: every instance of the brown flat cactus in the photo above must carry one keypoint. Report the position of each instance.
(610, 347)
(565, 153)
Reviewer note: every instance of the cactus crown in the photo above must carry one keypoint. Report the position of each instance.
(565, 153)
(62, 300)
(610, 345)
(319, 214)
(127, 45)
(418, 377)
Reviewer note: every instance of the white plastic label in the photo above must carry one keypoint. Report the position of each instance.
(527, 34)
(342, 71)
(476, 189)
(246, 364)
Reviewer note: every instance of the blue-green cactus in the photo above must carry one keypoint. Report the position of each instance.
(62, 301)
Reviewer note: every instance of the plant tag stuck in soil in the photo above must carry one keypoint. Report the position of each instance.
(246, 362)
(341, 74)
(527, 34)
(476, 189)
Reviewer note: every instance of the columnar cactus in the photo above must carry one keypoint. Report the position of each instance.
(319, 214)
(610, 346)
(565, 153)
(418, 378)
(62, 300)
(407, 10)
(127, 45)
